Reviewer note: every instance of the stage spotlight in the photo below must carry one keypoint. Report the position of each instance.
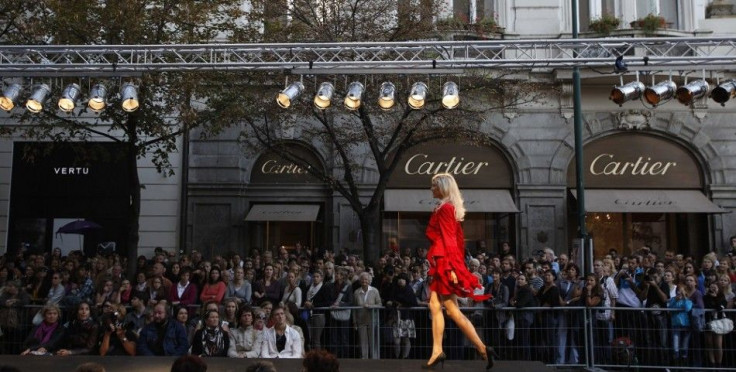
(38, 98)
(418, 95)
(355, 94)
(129, 97)
(724, 92)
(692, 91)
(323, 97)
(289, 94)
(97, 97)
(627, 92)
(10, 96)
(663, 91)
(69, 97)
(450, 95)
(387, 97)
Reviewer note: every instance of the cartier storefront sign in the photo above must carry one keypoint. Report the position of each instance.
(272, 168)
(637, 161)
(472, 166)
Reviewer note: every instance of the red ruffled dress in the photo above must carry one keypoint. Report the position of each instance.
(447, 253)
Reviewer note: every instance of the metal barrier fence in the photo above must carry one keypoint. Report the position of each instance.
(565, 337)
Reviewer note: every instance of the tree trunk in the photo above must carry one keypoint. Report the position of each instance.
(134, 209)
(370, 224)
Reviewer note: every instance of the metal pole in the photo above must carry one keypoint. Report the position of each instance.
(579, 175)
(587, 255)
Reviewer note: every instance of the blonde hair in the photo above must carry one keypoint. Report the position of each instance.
(449, 191)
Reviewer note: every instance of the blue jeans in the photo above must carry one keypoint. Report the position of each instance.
(680, 341)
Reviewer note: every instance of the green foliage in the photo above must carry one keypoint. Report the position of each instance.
(650, 23)
(604, 25)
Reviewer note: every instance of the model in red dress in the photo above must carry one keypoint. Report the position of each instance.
(449, 275)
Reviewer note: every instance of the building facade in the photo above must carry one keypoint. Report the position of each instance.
(663, 176)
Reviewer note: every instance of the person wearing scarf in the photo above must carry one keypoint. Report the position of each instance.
(212, 340)
(80, 334)
(318, 295)
(46, 337)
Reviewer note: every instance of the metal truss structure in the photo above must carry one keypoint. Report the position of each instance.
(447, 57)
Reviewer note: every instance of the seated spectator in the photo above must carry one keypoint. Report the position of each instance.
(162, 336)
(156, 291)
(80, 334)
(118, 337)
(141, 287)
(215, 288)
(105, 293)
(181, 315)
(239, 289)
(82, 288)
(12, 301)
(262, 366)
(46, 337)
(320, 361)
(211, 340)
(122, 295)
(281, 341)
(90, 367)
(138, 314)
(230, 313)
(189, 363)
(246, 341)
(184, 292)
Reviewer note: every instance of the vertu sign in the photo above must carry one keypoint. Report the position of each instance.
(637, 161)
(472, 166)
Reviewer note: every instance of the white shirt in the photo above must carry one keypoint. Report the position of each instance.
(294, 348)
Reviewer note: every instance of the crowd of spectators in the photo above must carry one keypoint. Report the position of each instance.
(282, 303)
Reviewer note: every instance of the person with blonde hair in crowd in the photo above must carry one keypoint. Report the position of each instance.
(450, 276)
(367, 297)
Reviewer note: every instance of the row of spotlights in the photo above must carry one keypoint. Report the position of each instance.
(354, 96)
(665, 90)
(70, 96)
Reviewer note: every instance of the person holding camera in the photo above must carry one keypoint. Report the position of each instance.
(118, 338)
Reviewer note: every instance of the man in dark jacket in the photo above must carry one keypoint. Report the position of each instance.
(163, 336)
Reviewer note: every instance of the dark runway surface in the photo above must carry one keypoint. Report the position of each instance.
(163, 364)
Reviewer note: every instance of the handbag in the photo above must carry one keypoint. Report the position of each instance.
(340, 315)
(510, 327)
(697, 319)
(721, 326)
(9, 318)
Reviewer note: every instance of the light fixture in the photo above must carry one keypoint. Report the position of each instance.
(289, 94)
(38, 98)
(627, 92)
(69, 97)
(129, 97)
(663, 91)
(724, 92)
(323, 97)
(97, 97)
(692, 91)
(450, 95)
(417, 95)
(387, 96)
(10, 96)
(354, 96)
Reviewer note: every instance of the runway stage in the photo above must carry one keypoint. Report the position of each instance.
(163, 364)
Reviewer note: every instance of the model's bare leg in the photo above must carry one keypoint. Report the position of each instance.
(438, 325)
(453, 311)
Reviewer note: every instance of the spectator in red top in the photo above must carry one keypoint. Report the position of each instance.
(184, 292)
(215, 288)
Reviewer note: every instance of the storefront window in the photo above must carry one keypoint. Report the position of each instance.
(485, 231)
(628, 232)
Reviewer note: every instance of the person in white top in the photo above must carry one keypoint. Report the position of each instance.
(367, 297)
(281, 341)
